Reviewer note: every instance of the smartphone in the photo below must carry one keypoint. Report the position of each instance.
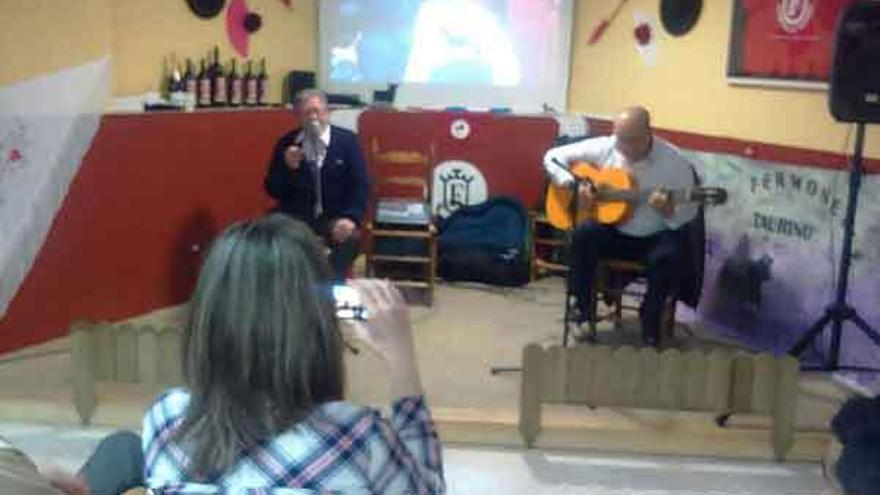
(348, 303)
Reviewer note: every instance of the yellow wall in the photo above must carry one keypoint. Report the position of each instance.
(43, 36)
(146, 31)
(687, 89)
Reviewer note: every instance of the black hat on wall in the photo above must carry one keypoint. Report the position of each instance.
(679, 16)
(206, 9)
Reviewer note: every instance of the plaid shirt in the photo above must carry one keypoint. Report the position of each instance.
(338, 448)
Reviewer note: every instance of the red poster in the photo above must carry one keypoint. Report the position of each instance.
(783, 40)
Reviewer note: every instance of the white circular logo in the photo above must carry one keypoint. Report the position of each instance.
(794, 15)
(460, 129)
(457, 183)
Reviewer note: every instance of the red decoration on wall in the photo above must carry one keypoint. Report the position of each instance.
(600, 28)
(240, 24)
(238, 35)
(643, 33)
(287, 3)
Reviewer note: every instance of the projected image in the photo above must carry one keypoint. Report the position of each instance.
(502, 43)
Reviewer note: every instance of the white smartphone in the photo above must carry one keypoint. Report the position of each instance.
(348, 303)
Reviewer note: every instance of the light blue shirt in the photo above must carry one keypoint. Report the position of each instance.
(663, 167)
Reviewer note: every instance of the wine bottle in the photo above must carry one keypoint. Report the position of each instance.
(235, 87)
(262, 84)
(190, 82)
(204, 99)
(177, 88)
(166, 80)
(218, 81)
(250, 86)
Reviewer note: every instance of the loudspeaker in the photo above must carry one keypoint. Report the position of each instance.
(297, 81)
(854, 95)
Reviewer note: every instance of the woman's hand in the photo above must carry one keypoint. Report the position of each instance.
(388, 332)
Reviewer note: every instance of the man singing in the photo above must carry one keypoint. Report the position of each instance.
(318, 175)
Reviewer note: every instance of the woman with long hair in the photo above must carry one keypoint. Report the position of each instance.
(263, 406)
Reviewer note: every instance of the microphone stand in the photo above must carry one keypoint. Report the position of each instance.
(573, 208)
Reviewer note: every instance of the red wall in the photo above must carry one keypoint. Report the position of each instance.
(507, 149)
(150, 187)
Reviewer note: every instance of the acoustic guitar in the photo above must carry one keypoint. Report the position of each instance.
(616, 196)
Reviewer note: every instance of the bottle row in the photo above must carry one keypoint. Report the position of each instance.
(214, 86)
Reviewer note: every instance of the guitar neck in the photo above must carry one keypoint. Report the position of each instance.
(632, 196)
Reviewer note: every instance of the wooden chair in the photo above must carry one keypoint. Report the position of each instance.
(615, 279)
(404, 253)
(548, 244)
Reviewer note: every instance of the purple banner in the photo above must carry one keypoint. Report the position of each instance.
(773, 253)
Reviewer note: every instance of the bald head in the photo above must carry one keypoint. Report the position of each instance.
(632, 128)
(635, 118)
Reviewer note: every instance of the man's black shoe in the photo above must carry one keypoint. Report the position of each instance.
(578, 316)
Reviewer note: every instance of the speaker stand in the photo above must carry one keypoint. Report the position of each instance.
(839, 311)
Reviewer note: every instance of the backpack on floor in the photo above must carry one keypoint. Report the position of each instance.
(485, 243)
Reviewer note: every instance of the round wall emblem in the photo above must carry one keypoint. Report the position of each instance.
(457, 183)
(460, 129)
(794, 15)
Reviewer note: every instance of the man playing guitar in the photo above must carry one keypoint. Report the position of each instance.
(651, 234)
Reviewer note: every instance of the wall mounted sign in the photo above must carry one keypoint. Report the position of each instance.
(782, 42)
(457, 183)
(772, 254)
(460, 129)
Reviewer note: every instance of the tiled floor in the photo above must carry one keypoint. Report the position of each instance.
(467, 330)
(474, 470)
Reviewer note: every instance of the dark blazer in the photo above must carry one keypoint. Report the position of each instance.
(344, 179)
